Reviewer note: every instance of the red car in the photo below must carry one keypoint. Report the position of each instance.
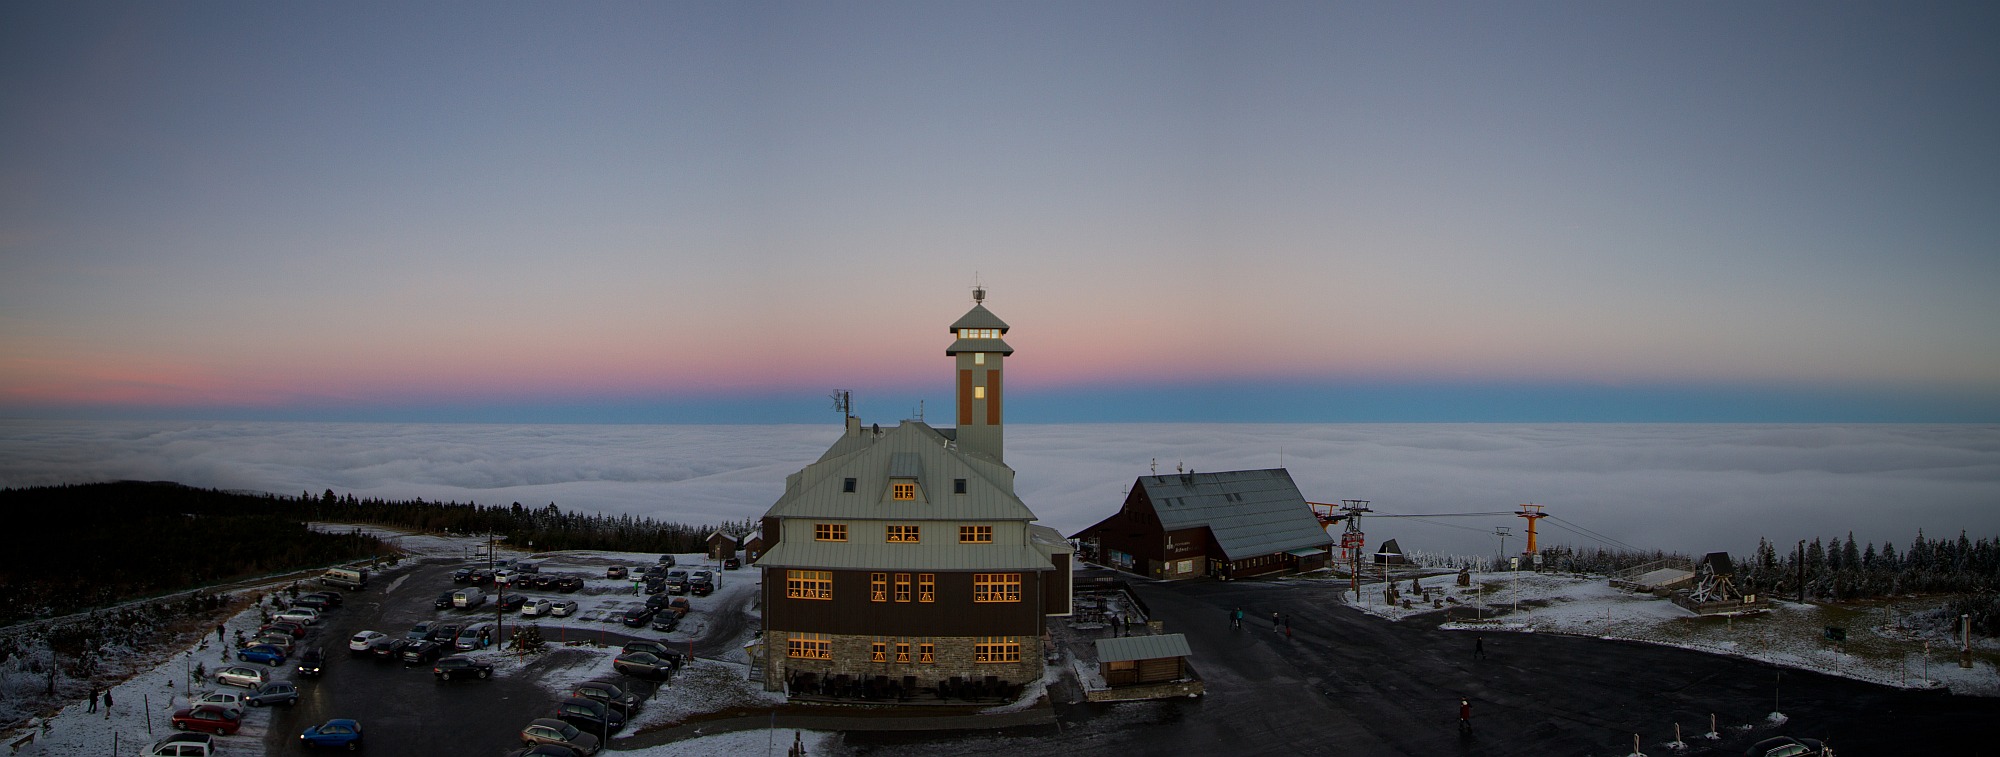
(215, 719)
(297, 630)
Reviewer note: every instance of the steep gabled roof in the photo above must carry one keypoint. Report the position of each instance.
(910, 450)
(1250, 513)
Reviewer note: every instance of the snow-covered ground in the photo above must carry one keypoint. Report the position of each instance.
(1877, 650)
(764, 743)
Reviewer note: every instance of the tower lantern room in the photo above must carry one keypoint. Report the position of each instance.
(979, 354)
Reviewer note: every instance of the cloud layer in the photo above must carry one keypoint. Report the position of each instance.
(1690, 488)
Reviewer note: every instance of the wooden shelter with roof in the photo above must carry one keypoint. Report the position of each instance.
(1232, 524)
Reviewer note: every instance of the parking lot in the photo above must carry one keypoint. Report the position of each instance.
(405, 710)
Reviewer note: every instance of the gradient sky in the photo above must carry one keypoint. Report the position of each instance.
(720, 212)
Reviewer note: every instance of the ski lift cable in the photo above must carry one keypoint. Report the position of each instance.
(1448, 525)
(1592, 535)
(1439, 515)
(1600, 536)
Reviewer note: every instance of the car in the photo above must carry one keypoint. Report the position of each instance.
(420, 652)
(304, 616)
(701, 583)
(1786, 746)
(419, 631)
(333, 598)
(655, 585)
(264, 653)
(677, 581)
(666, 622)
(190, 744)
(680, 606)
(568, 584)
(460, 666)
(338, 732)
(314, 602)
(444, 633)
(655, 603)
(609, 693)
(242, 676)
(360, 641)
(444, 600)
(510, 602)
(552, 731)
(295, 629)
(537, 607)
(527, 566)
(503, 576)
(667, 560)
(544, 581)
(615, 571)
(273, 693)
(224, 699)
(312, 662)
(562, 609)
(389, 649)
(656, 648)
(278, 639)
(589, 715)
(476, 636)
(481, 576)
(731, 563)
(639, 618)
(462, 575)
(642, 664)
(215, 719)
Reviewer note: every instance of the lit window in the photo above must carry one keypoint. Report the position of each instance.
(979, 392)
(809, 584)
(979, 333)
(958, 486)
(978, 358)
(905, 491)
(902, 652)
(903, 534)
(975, 534)
(878, 652)
(878, 587)
(926, 587)
(926, 653)
(996, 649)
(996, 587)
(829, 532)
(902, 587)
(809, 646)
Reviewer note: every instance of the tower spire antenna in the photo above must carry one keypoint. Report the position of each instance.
(978, 289)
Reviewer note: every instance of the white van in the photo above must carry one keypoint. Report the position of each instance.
(468, 598)
(352, 579)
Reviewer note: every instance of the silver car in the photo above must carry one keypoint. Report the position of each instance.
(242, 676)
(228, 700)
(563, 609)
(536, 607)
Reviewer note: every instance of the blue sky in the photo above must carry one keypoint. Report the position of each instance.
(1244, 211)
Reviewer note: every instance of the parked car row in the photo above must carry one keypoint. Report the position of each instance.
(523, 579)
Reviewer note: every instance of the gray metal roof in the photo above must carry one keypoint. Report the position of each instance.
(872, 459)
(978, 345)
(1127, 648)
(1250, 512)
(979, 318)
(936, 556)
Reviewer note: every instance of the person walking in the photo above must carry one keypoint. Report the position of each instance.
(218, 632)
(1479, 647)
(1464, 715)
(93, 701)
(1274, 620)
(1236, 618)
(107, 704)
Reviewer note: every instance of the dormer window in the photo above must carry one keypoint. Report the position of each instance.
(902, 490)
(979, 333)
(958, 486)
(847, 486)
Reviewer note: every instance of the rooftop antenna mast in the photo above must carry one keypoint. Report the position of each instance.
(843, 402)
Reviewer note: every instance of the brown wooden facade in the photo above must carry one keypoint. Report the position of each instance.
(853, 611)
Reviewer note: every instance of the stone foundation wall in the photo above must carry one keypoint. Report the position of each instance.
(852, 656)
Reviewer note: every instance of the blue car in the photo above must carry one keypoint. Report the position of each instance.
(339, 732)
(264, 653)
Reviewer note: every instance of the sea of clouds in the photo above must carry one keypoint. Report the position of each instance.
(1688, 488)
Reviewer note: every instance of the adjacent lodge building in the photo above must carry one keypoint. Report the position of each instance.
(1234, 524)
(902, 561)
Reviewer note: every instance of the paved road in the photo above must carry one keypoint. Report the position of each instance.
(1346, 683)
